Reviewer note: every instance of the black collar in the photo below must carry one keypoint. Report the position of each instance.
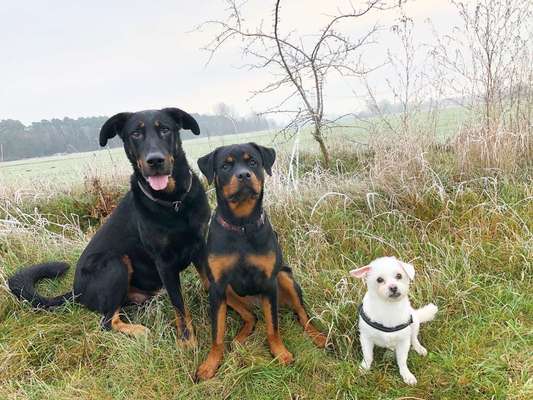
(246, 228)
(383, 328)
(176, 205)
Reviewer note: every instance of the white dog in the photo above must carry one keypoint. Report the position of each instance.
(386, 318)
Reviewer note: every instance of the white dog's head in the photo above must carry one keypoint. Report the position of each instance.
(388, 277)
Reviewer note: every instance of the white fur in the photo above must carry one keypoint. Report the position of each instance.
(391, 311)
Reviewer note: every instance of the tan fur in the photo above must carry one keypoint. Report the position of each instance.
(265, 262)
(244, 208)
(240, 305)
(209, 366)
(277, 348)
(187, 321)
(129, 329)
(289, 296)
(171, 185)
(220, 264)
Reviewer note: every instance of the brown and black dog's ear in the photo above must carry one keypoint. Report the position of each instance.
(268, 155)
(113, 126)
(207, 165)
(183, 119)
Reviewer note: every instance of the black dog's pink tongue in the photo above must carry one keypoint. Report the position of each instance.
(159, 182)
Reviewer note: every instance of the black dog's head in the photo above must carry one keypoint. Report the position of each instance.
(238, 174)
(151, 140)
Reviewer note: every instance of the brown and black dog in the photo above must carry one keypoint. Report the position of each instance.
(156, 231)
(244, 257)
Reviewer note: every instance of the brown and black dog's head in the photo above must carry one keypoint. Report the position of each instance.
(151, 141)
(238, 174)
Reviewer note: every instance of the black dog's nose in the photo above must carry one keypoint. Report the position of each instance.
(155, 160)
(242, 175)
(393, 288)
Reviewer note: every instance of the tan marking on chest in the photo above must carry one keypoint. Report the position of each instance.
(218, 264)
(265, 262)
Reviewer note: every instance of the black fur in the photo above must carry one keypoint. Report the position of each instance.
(158, 241)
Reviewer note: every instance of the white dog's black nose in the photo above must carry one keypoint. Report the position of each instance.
(393, 288)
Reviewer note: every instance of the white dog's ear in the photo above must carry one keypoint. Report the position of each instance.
(360, 272)
(409, 269)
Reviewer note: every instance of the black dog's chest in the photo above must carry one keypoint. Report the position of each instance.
(250, 280)
(173, 245)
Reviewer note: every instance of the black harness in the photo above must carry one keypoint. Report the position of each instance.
(383, 328)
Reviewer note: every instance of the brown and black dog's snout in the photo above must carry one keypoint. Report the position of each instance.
(243, 175)
(155, 160)
(155, 163)
(243, 184)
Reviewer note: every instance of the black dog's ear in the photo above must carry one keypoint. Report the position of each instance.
(113, 126)
(183, 119)
(207, 165)
(268, 155)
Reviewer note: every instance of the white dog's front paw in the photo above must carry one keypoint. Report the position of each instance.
(409, 378)
(421, 350)
(364, 366)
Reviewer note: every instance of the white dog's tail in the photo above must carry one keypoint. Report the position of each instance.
(426, 313)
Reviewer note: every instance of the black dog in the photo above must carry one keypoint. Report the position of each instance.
(155, 232)
(244, 257)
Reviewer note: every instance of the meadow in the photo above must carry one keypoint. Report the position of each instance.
(466, 230)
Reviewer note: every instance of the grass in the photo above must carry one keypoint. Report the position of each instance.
(470, 241)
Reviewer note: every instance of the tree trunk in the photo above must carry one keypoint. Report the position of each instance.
(323, 149)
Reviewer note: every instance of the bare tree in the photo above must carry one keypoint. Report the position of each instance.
(488, 60)
(299, 64)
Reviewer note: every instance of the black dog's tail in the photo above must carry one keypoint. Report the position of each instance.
(22, 284)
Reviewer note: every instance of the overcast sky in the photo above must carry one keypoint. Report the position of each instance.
(68, 58)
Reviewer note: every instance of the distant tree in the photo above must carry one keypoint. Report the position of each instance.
(69, 135)
(226, 111)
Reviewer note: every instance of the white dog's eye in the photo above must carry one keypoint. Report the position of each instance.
(380, 280)
(398, 276)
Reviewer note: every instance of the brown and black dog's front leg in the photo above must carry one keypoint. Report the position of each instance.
(270, 310)
(217, 311)
(171, 281)
(241, 306)
(291, 295)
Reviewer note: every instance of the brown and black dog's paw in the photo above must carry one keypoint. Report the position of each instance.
(206, 371)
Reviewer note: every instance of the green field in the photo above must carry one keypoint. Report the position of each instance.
(65, 169)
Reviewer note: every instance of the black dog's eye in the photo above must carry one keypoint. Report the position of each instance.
(398, 276)
(380, 280)
(226, 166)
(136, 134)
(252, 163)
(164, 130)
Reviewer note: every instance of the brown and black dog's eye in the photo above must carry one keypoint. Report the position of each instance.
(252, 163)
(164, 130)
(136, 135)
